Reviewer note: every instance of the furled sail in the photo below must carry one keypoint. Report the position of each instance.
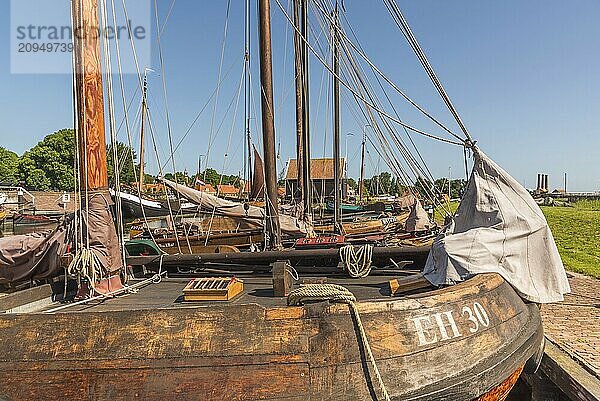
(499, 228)
(210, 203)
(258, 178)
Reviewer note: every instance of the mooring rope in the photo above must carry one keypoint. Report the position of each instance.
(357, 262)
(338, 294)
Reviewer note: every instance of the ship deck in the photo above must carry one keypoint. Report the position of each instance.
(258, 289)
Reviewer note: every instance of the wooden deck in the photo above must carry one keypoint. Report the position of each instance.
(257, 290)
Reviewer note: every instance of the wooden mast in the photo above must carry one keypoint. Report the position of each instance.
(268, 125)
(101, 236)
(299, 67)
(302, 109)
(142, 133)
(90, 98)
(336, 126)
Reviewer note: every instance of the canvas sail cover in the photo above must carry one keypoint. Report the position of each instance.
(418, 220)
(258, 178)
(210, 203)
(499, 228)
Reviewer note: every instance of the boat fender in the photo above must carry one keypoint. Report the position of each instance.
(533, 363)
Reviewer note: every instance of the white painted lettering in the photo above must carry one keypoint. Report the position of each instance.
(443, 325)
(423, 325)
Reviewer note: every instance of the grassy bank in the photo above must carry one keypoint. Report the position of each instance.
(576, 231)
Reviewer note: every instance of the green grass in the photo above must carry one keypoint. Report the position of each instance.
(440, 213)
(576, 231)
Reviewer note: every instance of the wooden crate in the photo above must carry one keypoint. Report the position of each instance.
(213, 289)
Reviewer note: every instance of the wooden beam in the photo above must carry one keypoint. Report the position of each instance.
(89, 95)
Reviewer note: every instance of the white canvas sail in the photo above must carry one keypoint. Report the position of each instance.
(210, 203)
(499, 228)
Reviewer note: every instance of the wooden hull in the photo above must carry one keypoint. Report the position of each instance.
(249, 352)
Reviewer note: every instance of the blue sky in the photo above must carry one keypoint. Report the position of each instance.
(522, 74)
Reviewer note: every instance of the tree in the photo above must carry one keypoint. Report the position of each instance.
(9, 166)
(352, 183)
(456, 187)
(127, 167)
(424, 187)
(49, 164)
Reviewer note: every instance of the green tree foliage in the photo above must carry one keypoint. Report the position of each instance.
(49, 164)
(383, 184)
(211, 176)
(9, 166)
(127, 166)
(456, 187)
(352, 183)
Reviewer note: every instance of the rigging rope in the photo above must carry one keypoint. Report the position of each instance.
(338, 294)
(398, 17)
(359, 96)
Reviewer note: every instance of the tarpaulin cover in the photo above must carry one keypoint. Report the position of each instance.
(499, 228)
(38, 256)
(32, 256)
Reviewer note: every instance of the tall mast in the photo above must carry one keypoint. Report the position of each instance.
(299, 69)
(90, 99)
(362, 167)
(101, 235)
(247, 99)
(302, 109)
(307, 189)
(336, 124)
(268, 124)
(142, 133)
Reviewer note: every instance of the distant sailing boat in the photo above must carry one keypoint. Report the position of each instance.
(468, 341)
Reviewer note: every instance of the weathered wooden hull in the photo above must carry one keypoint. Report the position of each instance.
(249, 352)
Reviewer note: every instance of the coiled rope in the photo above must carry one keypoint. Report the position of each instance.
(357, 262)
(87, 265)
(337, 294)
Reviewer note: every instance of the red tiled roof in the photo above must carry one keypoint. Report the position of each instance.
(227, 190)
(206, 188)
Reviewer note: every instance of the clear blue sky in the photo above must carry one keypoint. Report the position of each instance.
(523, 75)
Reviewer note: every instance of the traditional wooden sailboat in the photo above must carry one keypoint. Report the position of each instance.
(333, 338)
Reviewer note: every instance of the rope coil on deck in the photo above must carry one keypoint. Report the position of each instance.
(337, 294)
(357, 262)
(87, 265)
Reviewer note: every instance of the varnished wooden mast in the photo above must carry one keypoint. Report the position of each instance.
(90, 99)
(268, 124)
(101, 235)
